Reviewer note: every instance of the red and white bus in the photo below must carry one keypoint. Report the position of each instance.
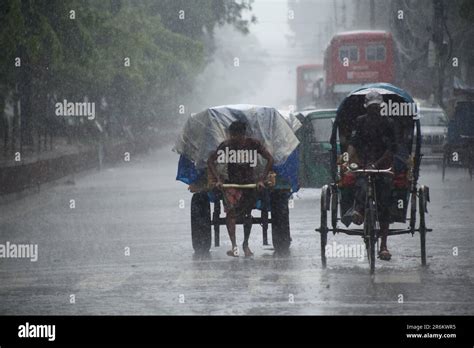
(307, 77)
(353, 59)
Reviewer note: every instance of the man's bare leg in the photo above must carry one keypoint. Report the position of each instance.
(384, 253)
(247, 230)
(231, 222)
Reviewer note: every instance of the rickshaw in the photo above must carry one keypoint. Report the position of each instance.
(338, 197)
(459, 149)
(314, 137)
(202, 134)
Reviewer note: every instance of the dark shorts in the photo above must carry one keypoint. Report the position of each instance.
(239, 202)
(383, 196)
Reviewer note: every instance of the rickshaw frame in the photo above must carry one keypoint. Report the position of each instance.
(330, 193)
(459, 141)
(203, 217)
(206, 217)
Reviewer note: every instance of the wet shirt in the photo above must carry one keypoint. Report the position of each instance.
(241, 159)
(371, 137)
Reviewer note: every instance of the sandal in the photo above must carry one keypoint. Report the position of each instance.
(234, 252)
(385, 255)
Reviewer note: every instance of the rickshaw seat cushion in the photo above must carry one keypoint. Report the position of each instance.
(347, 180)
(400, 180)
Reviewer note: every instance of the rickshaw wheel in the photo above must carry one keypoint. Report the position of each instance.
(200, 222)
(334, 206)
(323, 228)
(422, 208)
(371, 238)
(412, 210)
(280, 221)
(445, 162)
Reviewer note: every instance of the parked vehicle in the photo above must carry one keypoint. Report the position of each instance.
(459, 148)
(434, 132)
(315, 147)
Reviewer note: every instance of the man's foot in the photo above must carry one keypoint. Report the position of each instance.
(247, 251)
(384, 254)
(357, 218)
(234, 252)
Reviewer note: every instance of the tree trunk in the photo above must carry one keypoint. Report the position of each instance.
(438, 20)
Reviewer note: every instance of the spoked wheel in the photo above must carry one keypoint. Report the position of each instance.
(423, 198)
(280, 221)
(413, 209)
(323, 228)
(445, 163)
(370, 236)
(201, 223)
(334, 206)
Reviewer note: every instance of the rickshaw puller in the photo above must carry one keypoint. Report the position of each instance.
(372, 146)
(239, 202)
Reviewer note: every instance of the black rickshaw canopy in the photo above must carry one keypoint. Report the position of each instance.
(407, 127)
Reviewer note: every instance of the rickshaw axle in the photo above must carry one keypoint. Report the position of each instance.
(360, 232)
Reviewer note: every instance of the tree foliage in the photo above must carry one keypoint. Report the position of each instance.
(76, 49)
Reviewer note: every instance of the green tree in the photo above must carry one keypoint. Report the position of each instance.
(75, 49)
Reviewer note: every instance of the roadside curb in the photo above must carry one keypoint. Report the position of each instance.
(23, 180)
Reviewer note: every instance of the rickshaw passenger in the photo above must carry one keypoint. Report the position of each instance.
(239, 202)
(372, 146)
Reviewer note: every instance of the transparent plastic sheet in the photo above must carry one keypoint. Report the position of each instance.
(291, 119)
(203, 132)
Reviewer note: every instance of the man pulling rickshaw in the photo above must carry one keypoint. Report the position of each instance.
(245, 156)
(241, 171)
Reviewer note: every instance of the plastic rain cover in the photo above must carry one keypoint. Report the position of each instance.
(203, 132)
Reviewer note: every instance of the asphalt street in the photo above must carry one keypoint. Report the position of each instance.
(117, 242)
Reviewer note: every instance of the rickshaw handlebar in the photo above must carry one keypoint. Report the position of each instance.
(373, 171)
(241, 186)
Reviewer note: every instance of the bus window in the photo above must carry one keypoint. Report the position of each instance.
(375, 52)
(351, 52)
(310, 75)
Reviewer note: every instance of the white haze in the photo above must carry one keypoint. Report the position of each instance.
(268, 58)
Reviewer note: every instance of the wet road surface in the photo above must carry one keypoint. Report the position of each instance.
(125, 248)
